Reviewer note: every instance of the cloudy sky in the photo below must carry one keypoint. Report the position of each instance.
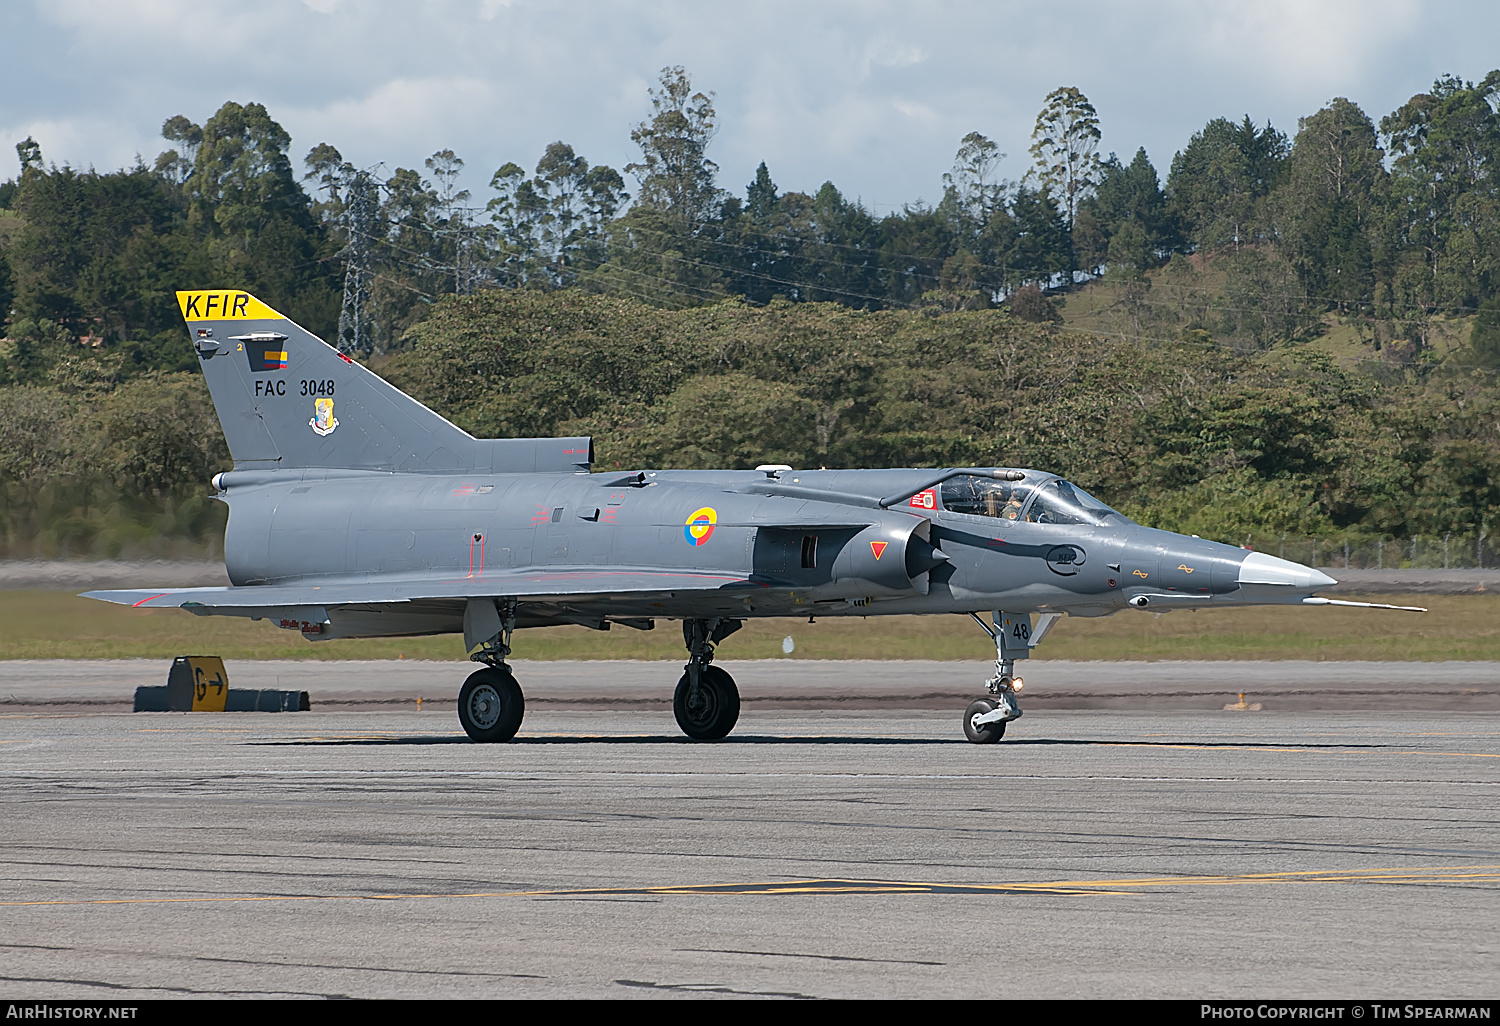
(872, 94)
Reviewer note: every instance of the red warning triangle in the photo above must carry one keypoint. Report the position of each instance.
(879, 549)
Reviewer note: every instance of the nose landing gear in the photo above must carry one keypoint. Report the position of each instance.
(1014, 637)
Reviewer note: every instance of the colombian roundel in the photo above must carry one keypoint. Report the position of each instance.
(700, 525)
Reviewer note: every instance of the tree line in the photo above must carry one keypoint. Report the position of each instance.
(1199, 439)
(1393, 224)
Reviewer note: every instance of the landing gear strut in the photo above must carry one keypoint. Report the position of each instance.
(1014, 637)
(490, 704)
(706, 702)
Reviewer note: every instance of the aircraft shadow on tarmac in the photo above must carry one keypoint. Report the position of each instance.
(760, 739)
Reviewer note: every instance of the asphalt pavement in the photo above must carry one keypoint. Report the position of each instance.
(844, 853)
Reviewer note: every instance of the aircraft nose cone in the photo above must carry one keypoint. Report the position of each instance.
(1259, 568)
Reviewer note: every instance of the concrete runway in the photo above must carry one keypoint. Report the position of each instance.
(854, 854)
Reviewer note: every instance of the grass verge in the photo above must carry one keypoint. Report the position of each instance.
(59, 625)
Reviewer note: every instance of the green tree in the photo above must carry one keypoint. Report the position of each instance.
(1261, 299)
(30, 154)
(1447, 148)
(978, 190)
(242, 179)
(176, 165)
(1327, 208)
(1484, 337)
(69, 258)
(327, 168)
(760, 196)
(674, 171)
(454, 235)
(1129, 211)
(256, 220)
(670, 247)
(1043, 248)
(843, 262)
(1064, 145)
(518, 211)
(914, 245)
(410, 251)
(580, 201)
(1219, 181)
(552, 226)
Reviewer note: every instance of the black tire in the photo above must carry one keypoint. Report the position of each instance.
(490, 705)
(990, 732)
(718, 707)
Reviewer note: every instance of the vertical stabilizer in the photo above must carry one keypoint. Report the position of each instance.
(287, 399)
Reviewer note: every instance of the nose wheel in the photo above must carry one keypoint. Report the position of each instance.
(977, 728)
(985, 718)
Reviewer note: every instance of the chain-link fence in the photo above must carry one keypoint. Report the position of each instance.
(1363, 552)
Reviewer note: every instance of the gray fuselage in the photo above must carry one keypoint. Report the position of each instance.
(797, 555)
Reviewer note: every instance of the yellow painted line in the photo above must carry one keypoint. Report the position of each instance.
(1435, 874)
(1450, 733)
(874, 887)
(1313, 875)
(1198, 748)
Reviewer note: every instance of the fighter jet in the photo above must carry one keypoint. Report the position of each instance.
(357, 512)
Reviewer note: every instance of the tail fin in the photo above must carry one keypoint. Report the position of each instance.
(286, 399)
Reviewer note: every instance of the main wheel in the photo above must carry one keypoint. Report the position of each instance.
(712, 713)
(990, 732)
(490, 705)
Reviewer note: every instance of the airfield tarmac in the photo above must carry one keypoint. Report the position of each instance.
(854, 853)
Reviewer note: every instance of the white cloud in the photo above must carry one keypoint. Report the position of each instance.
(888, 55)
(918, 111)
(395, 116)
(872, 94)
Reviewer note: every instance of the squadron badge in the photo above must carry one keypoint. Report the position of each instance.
(323, 421)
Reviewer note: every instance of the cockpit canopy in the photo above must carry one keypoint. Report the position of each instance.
(1051, 502)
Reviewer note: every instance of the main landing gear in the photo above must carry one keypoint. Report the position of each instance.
(706, 702)
(1014, 637)
(490, 704)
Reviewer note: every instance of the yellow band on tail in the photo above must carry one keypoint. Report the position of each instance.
(223, 305)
